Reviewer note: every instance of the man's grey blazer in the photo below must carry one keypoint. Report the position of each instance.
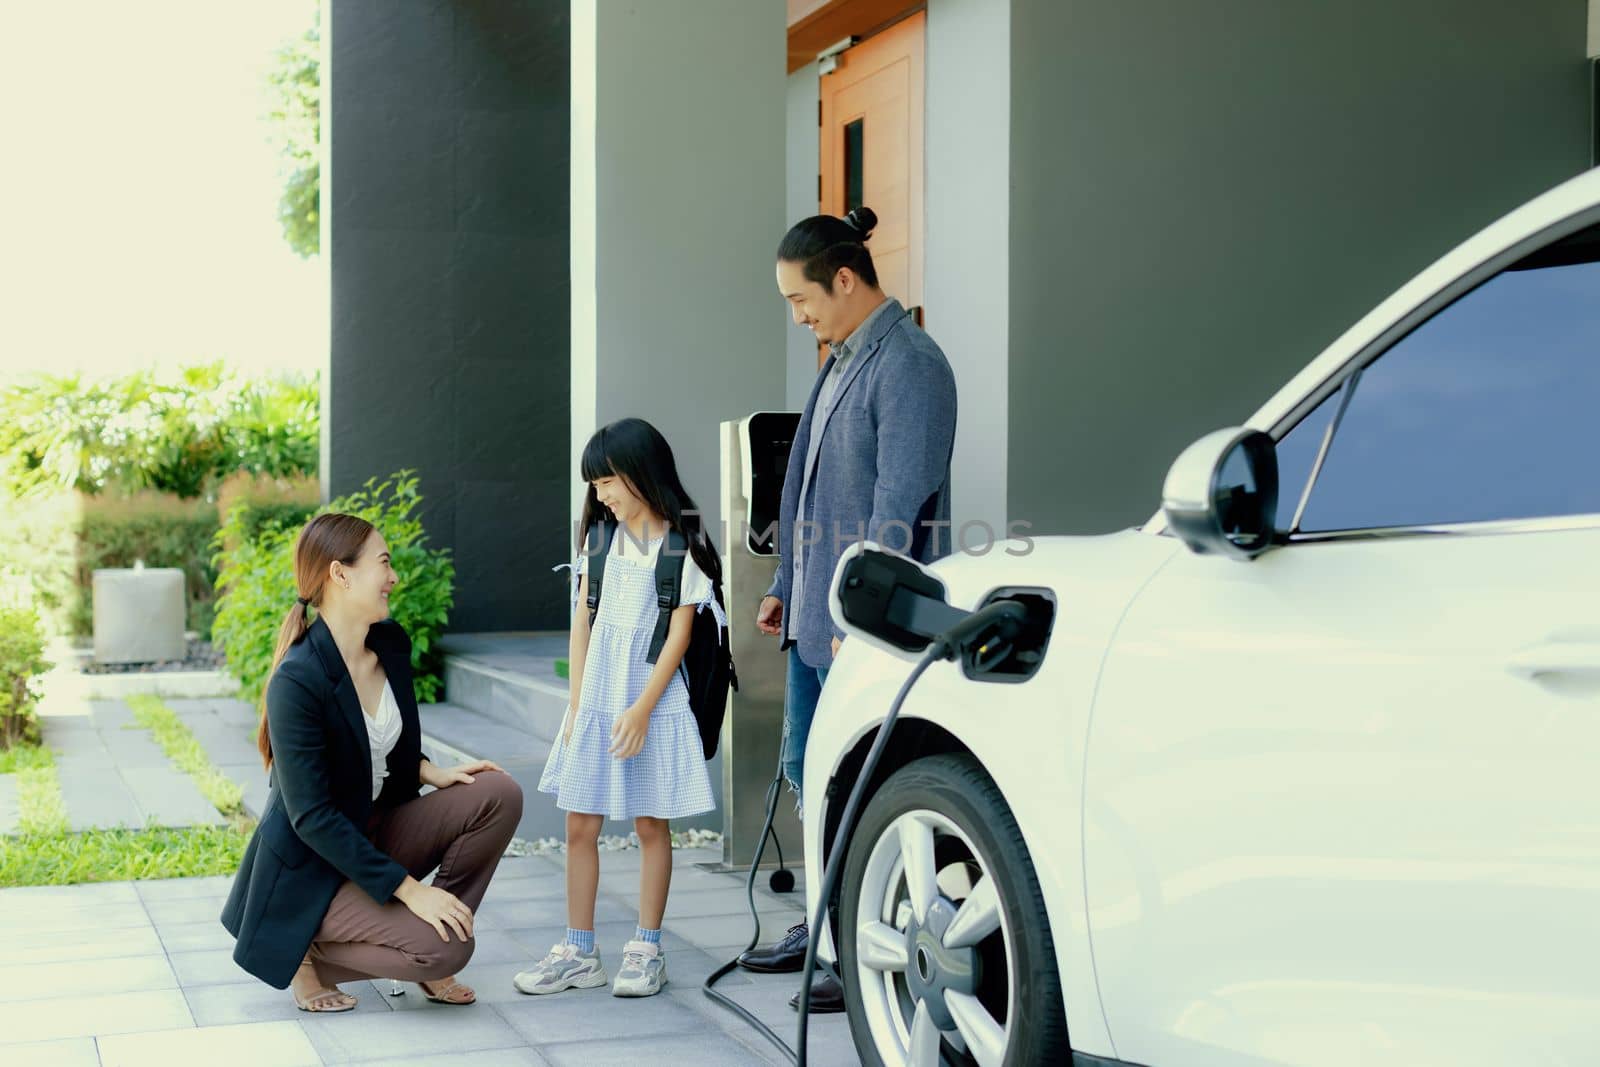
(882, 473)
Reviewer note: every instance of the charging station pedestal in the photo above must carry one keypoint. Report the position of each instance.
(755, 458)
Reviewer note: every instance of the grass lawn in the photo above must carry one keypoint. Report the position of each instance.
(45, 852)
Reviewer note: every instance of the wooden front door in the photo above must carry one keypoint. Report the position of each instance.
(871, 119)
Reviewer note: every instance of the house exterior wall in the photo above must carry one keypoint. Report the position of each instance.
(446, 204)
(1203, 196)
(677, 193)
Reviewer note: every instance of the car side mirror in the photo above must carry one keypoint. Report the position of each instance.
(1221, 494)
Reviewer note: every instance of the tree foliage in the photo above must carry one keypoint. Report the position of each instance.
(295, 84)
(256, 586)
(177, 435)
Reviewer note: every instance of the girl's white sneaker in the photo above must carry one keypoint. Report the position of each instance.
(566, 967)
(644, 970)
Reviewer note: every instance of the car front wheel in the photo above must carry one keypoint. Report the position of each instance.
(945, 946)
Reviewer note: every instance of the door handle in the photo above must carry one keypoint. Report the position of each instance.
(1579, 659)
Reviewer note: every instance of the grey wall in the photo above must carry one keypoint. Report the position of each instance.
(802, 151)
(447, 230)
(1204, 195)
(967, 258)
(677, 208)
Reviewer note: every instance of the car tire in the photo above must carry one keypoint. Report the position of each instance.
(900, 976)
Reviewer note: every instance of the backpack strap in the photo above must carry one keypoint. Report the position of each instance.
(596, 570)
(669, 585)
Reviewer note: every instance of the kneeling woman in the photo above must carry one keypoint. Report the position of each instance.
(329, 888)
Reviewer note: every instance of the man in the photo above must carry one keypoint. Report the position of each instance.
(870, 460)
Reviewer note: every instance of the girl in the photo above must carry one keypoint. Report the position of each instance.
(330, 887)
(629, 746)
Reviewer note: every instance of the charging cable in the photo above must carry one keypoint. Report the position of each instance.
(996, 622)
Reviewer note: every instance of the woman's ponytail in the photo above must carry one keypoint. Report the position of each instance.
(324, 539)
(295, 625)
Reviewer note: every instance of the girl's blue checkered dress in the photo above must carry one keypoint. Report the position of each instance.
(667, 779)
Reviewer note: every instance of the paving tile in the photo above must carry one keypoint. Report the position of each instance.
(767, 997)
(71, 1052)
(724, 902)
(86, 943)
(275, 1044)
(77, 896)
(501, 1057)
(725, 931)
(513, 867)
(247, 776)
(687, 880)
(702, 1050)
(158, 889)
(130, 974)
(134, 748)
(598, 1016)
(85, 1016)
(207, 967)
(110, 715)
(409, 1034)
(95, 799)
(169, 797)
(41, 921)
(194, 937)
(182, 912)
(254, 1001)
(541, 887)
(546, 911)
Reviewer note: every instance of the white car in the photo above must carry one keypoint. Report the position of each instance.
(1304, 771)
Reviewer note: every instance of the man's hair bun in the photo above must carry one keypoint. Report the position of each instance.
(863, 220)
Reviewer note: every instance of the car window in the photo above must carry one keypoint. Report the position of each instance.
(1297, 451)
(1489, 410)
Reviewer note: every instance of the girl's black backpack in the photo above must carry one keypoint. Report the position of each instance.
(707, 666)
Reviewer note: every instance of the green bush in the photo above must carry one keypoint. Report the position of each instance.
(21, 663)
(59, 541)
(256, 589)
(174, 435)
(38, 542)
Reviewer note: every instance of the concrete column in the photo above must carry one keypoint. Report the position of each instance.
(446, 235)
(677, 205)
(804, 163)
(967, 274)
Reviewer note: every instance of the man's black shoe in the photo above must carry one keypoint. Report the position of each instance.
(787, 956)
(827, 996)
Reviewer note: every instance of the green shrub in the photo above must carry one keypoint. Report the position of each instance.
(21, 663)
(178, 435)
(256, 587)
(59, 541)
(268, 500)
(38, 542)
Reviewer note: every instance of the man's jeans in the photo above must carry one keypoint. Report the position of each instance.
(800, 695)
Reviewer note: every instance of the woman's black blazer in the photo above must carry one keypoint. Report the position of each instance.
(312, 834)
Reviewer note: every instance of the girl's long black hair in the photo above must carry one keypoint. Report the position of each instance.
(635, 451)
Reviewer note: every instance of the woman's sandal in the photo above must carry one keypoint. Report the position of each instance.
(454, 993)
(328, 999)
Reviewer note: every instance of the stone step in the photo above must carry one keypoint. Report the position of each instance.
(512, 696)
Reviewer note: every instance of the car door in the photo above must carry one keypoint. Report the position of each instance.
(1342, 802)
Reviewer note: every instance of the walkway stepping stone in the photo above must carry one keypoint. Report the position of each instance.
(114, 775)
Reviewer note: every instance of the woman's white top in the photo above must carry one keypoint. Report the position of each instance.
(383, 732)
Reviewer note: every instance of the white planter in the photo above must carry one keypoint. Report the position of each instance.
(138, 615)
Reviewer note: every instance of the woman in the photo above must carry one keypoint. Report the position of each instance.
(329, 890)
